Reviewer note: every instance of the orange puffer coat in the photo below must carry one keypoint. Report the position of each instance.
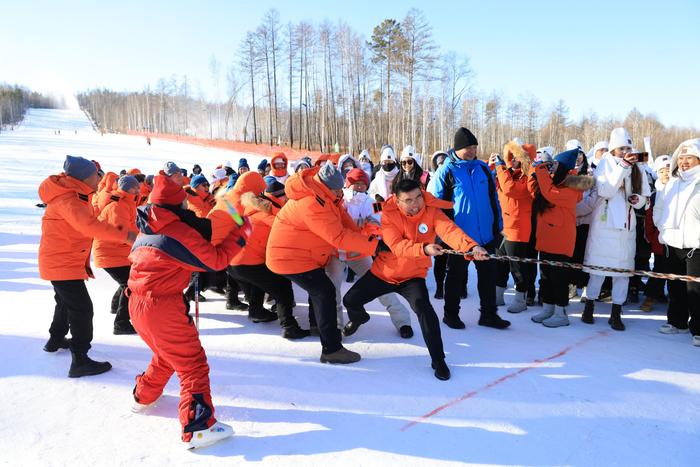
(120, 211)
(311, 227)
(68, 227)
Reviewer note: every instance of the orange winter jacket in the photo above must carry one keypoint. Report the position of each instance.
(144, 192)
(261, 214)
(120, 211)
(200, 202)
(556, 226)
(311, 227)
(513, 193)
(222, 222)
(403, 235)
(68, 227)
(107, 185)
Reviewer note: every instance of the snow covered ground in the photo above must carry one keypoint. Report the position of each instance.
(581, 395)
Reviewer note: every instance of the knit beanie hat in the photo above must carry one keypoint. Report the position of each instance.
(127, 182)
(170, 169)
(662, 162)
(409, 152)
(331, 176)
(387, 154)
(545, 154)
(78, 167)
(464, 138)
(568, 158)
(274, 188)
(356, 175)
(573, 144)
(269, 179)
(198, 180)
(263, 165)
(243, 162)
(364, 155)
(166, 191)
(619, 138)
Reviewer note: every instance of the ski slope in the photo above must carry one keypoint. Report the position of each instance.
(580, 395)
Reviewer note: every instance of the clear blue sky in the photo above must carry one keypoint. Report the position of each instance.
(606, 56)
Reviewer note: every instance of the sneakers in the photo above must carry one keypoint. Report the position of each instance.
(53, 344)
(406, 332)
(671, 329)
(492, 320)
(442, 371)
(82, 365)
(499, 296)
(123, 328)
(518, 305)
(341, 356)
(546, 313)
(209, 436)
(558, 319)
(454, 323)
(587, 315)
(647, 304)
(615, 320)
(352, 326)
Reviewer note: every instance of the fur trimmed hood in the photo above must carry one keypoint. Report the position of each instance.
(253, 203)
(514, 151)
(579, 182)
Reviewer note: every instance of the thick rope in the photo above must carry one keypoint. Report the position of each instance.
(657, 275)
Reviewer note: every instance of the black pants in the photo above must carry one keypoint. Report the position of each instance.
(578, 277)
(684, 297)
(555, 281)
(322, 295)
(522, 272)
(440, 269)
(486, 283)
(262, 280)
(642, 255)
(655, 287)
(121, 276)
(414, 291)
(73, 311)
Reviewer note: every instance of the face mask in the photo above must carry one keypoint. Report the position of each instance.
(388, 167)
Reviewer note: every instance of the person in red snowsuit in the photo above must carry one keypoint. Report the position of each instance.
(172, 243)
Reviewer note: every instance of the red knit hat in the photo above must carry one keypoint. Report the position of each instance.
(166, 191)
(356, 175)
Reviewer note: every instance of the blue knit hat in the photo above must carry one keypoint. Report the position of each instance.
(78, 167)
(243, 162)
(232, 179)
(170, 169)
(274, 188)
(198, 180)
(269, 179)
(568, 158)
(331, 176)
(127, 182)
(262, 165)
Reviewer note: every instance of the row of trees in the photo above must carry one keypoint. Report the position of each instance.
(14, 102)
(326, 86)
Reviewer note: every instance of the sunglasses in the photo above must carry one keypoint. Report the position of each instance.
(407, 162)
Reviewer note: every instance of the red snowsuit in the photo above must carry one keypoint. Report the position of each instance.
(163, 257)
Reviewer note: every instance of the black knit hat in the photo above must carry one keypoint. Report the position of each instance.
(464, 138)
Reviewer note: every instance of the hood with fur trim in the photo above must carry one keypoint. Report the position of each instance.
(579, 182)
(514, 151)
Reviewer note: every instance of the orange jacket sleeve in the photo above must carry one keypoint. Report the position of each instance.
(221, 224)
(322, 221)
(393, 236)
(555, 195)
(509, 186)
(81, 217)
(451, 234)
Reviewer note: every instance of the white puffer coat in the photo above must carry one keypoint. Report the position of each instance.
(612, 236)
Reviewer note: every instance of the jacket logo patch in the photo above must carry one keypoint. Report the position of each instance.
(422, 228)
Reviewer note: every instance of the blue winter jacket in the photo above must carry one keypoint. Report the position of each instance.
(472, 188)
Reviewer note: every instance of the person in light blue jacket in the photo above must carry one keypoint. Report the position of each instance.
(470, 185)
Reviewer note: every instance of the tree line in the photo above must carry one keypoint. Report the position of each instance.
(326, 87)
(14, 102)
